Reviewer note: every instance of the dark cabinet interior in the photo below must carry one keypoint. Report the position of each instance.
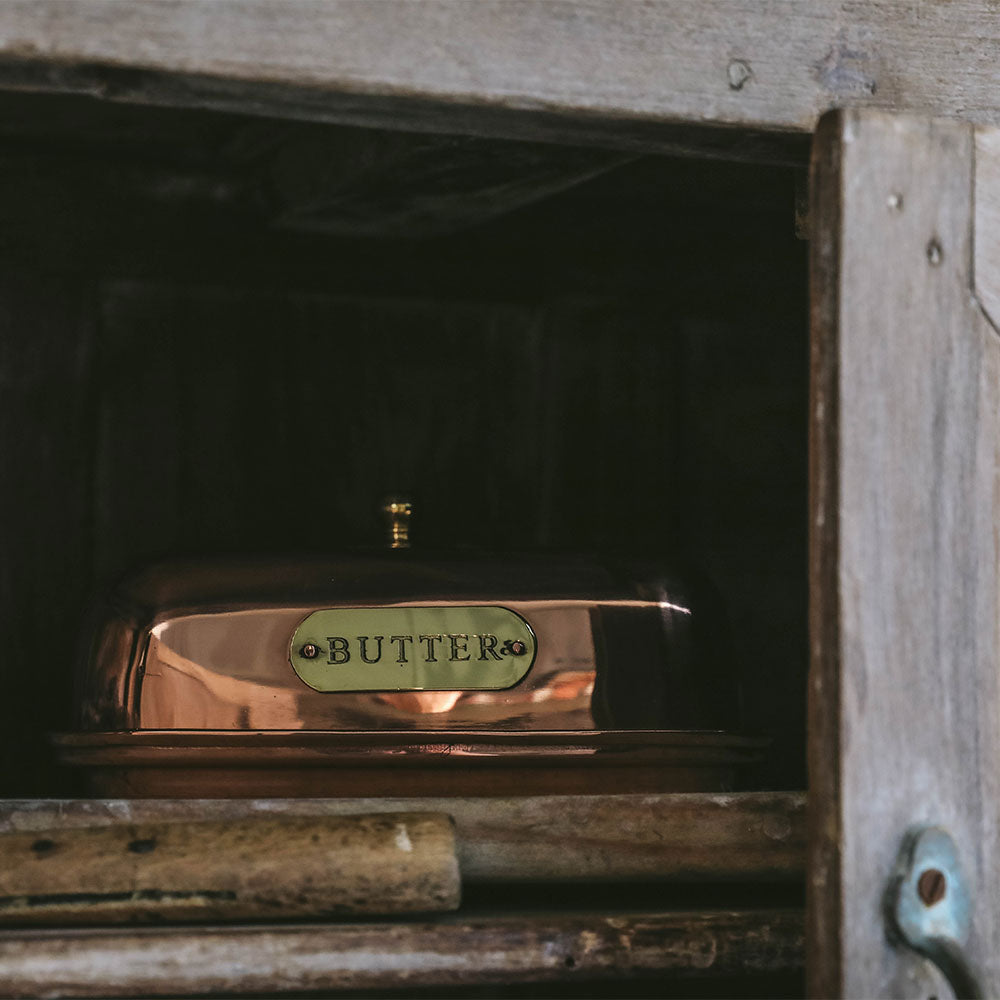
(226, 334)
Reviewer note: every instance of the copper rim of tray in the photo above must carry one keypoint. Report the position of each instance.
(296, 748)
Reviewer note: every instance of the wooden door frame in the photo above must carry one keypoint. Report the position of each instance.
(904, 713)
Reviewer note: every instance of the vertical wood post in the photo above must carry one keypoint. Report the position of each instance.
(904, 693)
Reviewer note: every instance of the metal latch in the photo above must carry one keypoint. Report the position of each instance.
(928, 907)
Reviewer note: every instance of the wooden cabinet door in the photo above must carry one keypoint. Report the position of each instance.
(904, 707)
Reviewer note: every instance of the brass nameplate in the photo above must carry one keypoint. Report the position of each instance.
(412, 649)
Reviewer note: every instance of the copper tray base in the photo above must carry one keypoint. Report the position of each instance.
(215, 764)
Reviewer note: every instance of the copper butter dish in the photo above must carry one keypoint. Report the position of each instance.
(400, 672)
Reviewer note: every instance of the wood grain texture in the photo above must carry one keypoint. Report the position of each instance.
(521, 68)
(393, 411)
(250, 868)
(905, 686)
(450, 952)
(47, 403)
(748, 836)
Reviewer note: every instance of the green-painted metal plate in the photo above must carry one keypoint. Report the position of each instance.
(476, 648)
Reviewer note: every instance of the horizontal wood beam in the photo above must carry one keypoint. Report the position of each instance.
(450, 952)
(667, 74)
(701, 837)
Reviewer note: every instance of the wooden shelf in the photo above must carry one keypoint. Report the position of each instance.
(747, 836)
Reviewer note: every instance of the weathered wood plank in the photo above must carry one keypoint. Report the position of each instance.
(747, 836)
(905, 682)
(263, 867)
(450, 952)
(520, 68)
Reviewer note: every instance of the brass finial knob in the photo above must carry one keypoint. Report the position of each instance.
(397, 512)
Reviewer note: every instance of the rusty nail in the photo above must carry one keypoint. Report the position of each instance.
(931, 886)
(309, 651)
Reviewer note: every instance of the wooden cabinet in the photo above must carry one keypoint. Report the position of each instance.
(228, 228)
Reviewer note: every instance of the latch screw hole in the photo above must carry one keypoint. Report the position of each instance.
(932, 886)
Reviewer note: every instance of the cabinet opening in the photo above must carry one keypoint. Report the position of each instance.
(227, 334)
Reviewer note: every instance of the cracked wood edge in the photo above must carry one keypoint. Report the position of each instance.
(572, 70)
(986, 237)
(904, 709)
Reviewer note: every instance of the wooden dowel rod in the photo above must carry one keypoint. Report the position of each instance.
(256, 868)
(452, 951)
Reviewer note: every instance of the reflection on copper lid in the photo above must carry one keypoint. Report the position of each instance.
(420, 702)
(608, 654)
